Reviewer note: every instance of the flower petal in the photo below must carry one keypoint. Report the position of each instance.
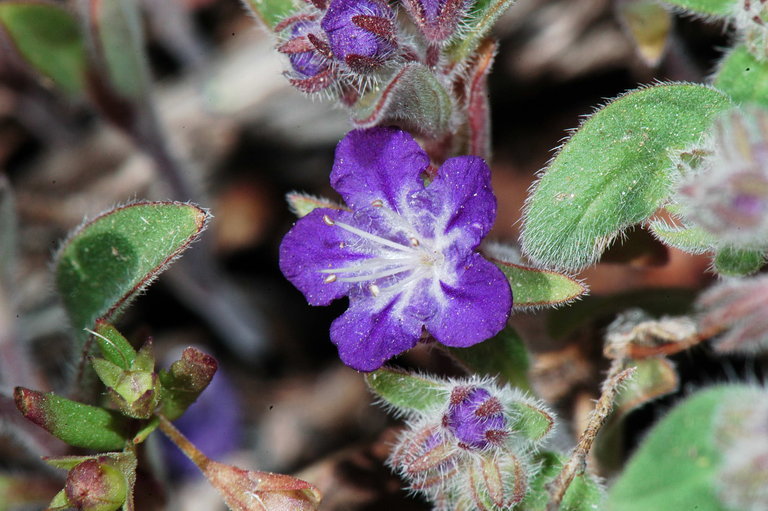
(476, 308)
(378, 164)
(368, 335)
(312, 246)
(468, 207)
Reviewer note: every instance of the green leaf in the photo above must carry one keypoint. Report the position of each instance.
(693, 240)
(302, 204)
(532, 420)
(707, 7)
(475, 26)
(271, 12)
(743, 77)
(106, 262)
(113, 346)
(584, 494)
(614, 172)
(653, 378)
(114, 27)
(77, 424)
(503, 355)
(413, 99)
(735, 262)
(676, 465)
(406, 391)
(534, 287)
(48, 38)
(185, 381)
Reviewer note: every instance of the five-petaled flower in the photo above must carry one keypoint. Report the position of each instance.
(404, 252)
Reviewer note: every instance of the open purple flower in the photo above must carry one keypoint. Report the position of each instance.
(404, 253)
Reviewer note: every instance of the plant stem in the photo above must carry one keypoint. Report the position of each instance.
(577, 464)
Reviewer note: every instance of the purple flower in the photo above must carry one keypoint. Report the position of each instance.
(404, 253)
(361, 33)
(475, 417)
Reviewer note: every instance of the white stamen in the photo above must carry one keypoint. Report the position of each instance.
(414, 242)
(369, 236)
(330, 278)
(374, 289)
(328, 220)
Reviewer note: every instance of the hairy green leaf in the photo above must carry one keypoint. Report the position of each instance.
(48, 38)
(475, 26)
(743, 77)
(614, 172)
(584, 493)
(706, 7)
(675, 466)
(693, 240)
(406, 391)
(75, 423)
(107, 261)
(734, 262)
(534, 287)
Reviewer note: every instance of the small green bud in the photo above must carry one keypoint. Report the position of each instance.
(96, 485)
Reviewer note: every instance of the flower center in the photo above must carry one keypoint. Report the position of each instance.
(395, 266)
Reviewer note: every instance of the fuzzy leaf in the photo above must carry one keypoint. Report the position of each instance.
(675, 466)
(475, 26)
(649, 24)
(706, 7)
(584, 494)
(302, 204)
(407, 391)
(270, 12)
(503, 355)
(532, 422)
(75, 423)
(654, 377)
(734, 262)
(613, 172)
(113, 346)
(534, 287)
(693, 240)
(413, 99)
(48, 37)
(743, 77)
(106, 262)
(185, 381)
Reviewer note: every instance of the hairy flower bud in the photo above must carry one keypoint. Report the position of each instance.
(751, 21)
(737, 308)
(361, 33)
(438, 20)
(308, 52)
(474, 452)
(726, 194)
(741, 431)
(96, 485)
(475, 417)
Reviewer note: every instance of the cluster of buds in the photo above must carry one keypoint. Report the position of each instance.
(751, 21)
(736, 308)
(725, 191)
(338, 43)
(741, 435)
(474, 452)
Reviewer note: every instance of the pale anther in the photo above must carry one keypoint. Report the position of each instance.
(414, 242)
(378, 203)
(328, 220)
(374, 289)
(330, 278)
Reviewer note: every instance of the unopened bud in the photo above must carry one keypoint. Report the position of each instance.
(727, 193)
(96, 485)
(497, 482)
(475, 418)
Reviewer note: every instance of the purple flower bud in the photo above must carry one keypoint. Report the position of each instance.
(475, 418)
(361, 33)
(310, 62)
(437, 19)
